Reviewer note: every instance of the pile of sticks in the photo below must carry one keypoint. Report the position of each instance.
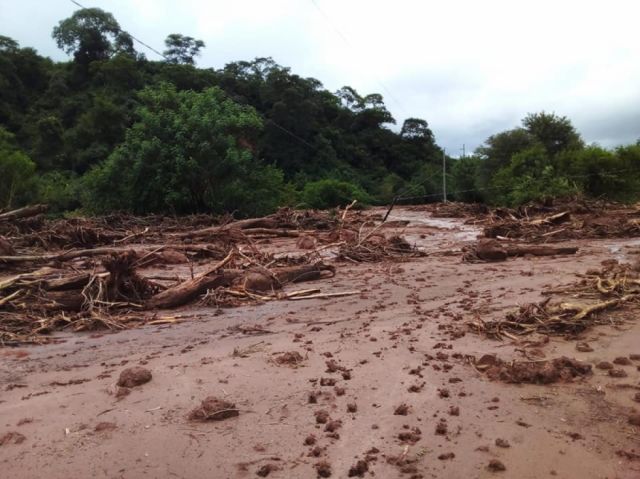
(613, 287)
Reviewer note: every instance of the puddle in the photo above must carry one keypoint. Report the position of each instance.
(452, 228)
(620, 249)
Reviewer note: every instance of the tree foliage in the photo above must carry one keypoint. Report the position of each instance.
(182, 49)
(187, 152)
(110, 129)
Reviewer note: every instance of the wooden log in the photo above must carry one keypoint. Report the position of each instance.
(540, 250)
(188, 290)
(23, 212)
(266, 222)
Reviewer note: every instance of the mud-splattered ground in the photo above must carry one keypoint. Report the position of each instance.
(380, 385)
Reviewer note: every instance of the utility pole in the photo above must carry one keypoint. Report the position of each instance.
(464, 151)
(444, 176)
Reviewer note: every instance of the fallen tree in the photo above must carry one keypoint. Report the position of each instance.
(493, 250)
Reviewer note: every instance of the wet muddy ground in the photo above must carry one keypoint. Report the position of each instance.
(381, 384)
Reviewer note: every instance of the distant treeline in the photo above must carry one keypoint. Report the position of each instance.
(111, 130)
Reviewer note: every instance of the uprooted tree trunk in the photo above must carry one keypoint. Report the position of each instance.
(23, 212)
(251, 223)
(258, 279)
(493, 250)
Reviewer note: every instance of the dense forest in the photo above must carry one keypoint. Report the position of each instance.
(112, 130)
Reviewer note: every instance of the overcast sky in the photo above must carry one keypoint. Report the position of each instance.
(469, 67)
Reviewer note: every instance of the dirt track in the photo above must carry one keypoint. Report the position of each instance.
(403, 332)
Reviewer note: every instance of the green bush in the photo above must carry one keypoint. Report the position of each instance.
(16, 172)
(60, 190)
(329, 193)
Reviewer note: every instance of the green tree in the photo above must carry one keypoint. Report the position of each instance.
(187, 152)
(182, 49)
(91, 34)
(556, 133)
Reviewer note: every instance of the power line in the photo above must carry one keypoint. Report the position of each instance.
(487, 188)
(346, 41)
(127, 33)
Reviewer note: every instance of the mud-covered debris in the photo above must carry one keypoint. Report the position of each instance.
(502, 443)
(214, 409)
(289, 358)
(135, 376)
(560, 369)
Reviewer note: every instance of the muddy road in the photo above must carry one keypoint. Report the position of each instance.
(378, 384)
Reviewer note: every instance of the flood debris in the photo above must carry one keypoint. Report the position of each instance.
(613, 287)
(564, 219)
(213, 408)
(135, 376)
(493, 250)
(562, 369)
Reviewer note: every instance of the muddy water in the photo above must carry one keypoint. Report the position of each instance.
(388, 338)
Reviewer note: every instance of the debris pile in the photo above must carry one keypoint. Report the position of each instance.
(493, 250)
(560, 369)
(614, 286)
(562, 220)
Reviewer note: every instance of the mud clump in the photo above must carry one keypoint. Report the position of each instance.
(359, 469)
(411, 437)
(105, 426)
(604, 365)
(267, 469)
(584, 348)
(634, 419)
(322, 416)
(401, 410)
(135, 376)
(622, 361)
(323, 468)
(290, 358)
(617, 373)
(352, 407)
(496, 466)
(544, 372)
(12, 438)
(502, 443)
(214, 409)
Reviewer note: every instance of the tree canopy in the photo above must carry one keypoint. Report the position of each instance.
(111, 129)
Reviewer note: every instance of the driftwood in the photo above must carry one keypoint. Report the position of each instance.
(251, 223)
(23, 212)
(107, 250)
(188, 290)
(258, 279)
(493, 250)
